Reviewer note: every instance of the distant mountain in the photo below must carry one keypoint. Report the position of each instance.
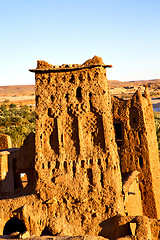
(17, 89)
(116, 83)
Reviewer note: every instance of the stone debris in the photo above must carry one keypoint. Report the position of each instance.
(24, 235)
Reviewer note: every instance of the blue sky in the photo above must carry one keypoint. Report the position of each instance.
(125, 33)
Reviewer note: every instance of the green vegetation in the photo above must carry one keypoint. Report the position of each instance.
(17, 122)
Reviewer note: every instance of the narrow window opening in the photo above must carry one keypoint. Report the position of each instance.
(139, 136)
(24, 179)
(57, 164)
(74, 168)
(65, 166)
(106, 162)
(82, 163)
(79, 94)
(54, 143)
(99, 162)
(107, 209)
(134, 117)
(53, 179)
(118, 133)
(98, 134)
(90, 176)
(49, 165)
(42, 165)
(102, 179)
(37, 98)
(62, 139)
(140, 161)
(90, 102)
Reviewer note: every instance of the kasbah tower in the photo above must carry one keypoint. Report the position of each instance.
(93, 168)
(82, 161)
(76, 154)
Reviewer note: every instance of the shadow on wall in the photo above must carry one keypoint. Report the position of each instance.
(112, 230)
(15, 183)
(47, 232)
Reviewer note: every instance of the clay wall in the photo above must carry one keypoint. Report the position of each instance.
(17, 166)
(132, 200)
(76, 155)
(5, 141)
(137, 146)
(25, 162)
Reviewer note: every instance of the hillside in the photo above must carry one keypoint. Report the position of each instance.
(18, 94)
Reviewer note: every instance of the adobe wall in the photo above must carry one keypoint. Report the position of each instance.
(5, 141)
(25, 161)
(132, 199)
(137, 146)
(76, 155)
(7, 169)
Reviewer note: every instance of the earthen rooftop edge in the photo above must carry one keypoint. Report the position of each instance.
(66, 69)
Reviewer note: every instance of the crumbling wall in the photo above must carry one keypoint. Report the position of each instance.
(76, 156)
(24, 163)
(137, 146)
(5, 141)
(132, 194)
(7, 169)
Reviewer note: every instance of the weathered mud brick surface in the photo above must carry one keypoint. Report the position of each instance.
(91, 168)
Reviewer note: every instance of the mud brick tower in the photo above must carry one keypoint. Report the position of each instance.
(76, 155)
(137, 146)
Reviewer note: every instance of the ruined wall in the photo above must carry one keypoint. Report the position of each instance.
(137, 146)
(5, 141)
(3, 167)
(132, 194)
(7, 169)
(76, 155)
(25, 161)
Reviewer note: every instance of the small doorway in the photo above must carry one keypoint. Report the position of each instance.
(14, 225)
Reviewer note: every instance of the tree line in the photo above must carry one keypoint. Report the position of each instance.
(17, 122)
